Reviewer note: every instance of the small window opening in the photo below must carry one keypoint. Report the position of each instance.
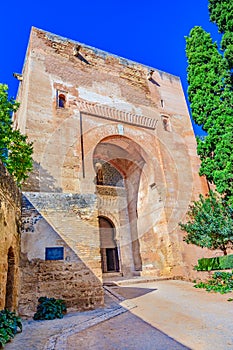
(166, 123)
(99, 174)
(61, 100)
(153, 186)
(162, 103)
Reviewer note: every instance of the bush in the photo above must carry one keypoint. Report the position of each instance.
(221, 282)
(10, 324)
(226, 262)
(217, 263)
(49, 309)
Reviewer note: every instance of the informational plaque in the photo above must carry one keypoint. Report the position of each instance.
(55, 253)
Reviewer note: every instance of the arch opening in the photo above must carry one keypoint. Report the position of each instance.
(9, 299)
(118, 162)
(107, 174)
(61, 100)
(108, 246)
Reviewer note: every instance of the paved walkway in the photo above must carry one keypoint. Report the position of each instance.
(159, 315)
(43, 335)
(194, 317)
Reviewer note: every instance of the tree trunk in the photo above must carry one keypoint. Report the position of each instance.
(224, 251)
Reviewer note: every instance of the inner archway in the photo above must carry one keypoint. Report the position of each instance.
(118, 163)
(108, 246)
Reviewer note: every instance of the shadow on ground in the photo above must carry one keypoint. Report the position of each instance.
(132, 292)
(124, 332)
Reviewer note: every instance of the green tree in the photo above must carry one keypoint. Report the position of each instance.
(15, 150)
(210, 223)
(211, 97)
(221, 13)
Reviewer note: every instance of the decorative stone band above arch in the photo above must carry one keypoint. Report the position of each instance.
(110, 113)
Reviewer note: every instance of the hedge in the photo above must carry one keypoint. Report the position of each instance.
(217, 263)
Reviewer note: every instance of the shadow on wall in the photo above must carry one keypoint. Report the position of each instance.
(44, 272)
(40, 180)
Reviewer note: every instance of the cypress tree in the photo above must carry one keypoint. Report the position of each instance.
(211, 98)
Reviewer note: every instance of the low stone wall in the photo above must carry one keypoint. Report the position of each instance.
(10, 222)
(73, 282)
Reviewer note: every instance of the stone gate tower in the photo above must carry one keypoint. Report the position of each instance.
(115, 169)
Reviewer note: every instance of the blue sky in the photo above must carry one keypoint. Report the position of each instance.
(146, 31)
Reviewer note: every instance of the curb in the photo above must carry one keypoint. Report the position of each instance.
(136, 280)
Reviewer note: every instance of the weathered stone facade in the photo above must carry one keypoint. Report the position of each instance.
(10, 222)
(113, 147)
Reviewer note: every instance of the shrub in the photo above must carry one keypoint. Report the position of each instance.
(226, 262)
(10, 324)
(217, 263)
(221, 282)
(49, 309)
(210, 222)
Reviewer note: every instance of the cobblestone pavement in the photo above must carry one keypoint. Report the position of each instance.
(159, 315)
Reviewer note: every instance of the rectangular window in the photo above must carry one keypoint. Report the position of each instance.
(55, 253)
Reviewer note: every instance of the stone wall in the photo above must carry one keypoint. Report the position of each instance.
(52, 221)
(128, 115)
(10, 222)
(71, 281)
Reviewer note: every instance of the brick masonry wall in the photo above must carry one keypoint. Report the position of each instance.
(10, 222)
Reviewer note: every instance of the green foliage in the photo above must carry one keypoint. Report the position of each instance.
(208, 264)
(221, 13)
(10, 324)
(217, 263)
(15, 150)
(210, 223)
(205, 65)
(49, 309)
(221, 282)
(211, 96)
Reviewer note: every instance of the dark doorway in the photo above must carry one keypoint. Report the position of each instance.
(9, 304)
(112, 259)
(109, 252)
